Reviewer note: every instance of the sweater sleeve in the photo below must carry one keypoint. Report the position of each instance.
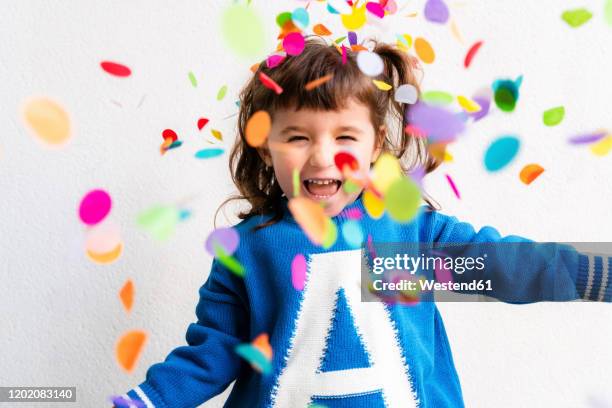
(193, 373)
(521, 270)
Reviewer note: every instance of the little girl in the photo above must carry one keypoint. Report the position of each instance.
(330, 348)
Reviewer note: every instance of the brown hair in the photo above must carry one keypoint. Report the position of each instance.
(255, 181)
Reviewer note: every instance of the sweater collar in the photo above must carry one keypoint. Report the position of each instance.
(345, 214)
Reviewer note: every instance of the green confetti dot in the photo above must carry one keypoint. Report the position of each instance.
(437, 97)
(608, 12)
(331, 236)
(159, 221)
(576, 17)
(402, 199)
(282, 18)
(222, 92)
(553, 116)
(192, 79)
(339, 40)
(243, 31)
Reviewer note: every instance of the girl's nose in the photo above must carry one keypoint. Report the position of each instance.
(322, 155)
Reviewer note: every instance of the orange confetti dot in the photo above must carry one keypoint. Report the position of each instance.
(126, 294)
(258, 128)
(530, 172)
(320, 29)
(318, 82)
(262, 343)
(129, 347)
(311, 217)
(424, 50)
(105, 257)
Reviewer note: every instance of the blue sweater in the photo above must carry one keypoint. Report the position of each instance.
(329, 348)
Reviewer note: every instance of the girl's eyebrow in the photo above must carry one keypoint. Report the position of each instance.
(289, 129)
(292, 128)
(349, 129)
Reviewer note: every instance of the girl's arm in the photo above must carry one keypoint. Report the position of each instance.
(194, 373)
(518, 270)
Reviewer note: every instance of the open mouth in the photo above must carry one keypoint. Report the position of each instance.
(322, 188)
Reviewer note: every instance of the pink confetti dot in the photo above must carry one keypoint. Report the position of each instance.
(298, 272)
(94, 207)
(293, 43)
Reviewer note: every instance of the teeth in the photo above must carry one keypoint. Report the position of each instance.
(321, 182)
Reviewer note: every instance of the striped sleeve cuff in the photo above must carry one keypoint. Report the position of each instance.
(594, 280)
(142, 396)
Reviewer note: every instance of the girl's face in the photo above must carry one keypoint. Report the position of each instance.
(308, 140)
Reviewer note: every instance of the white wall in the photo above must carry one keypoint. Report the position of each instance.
(61, 313)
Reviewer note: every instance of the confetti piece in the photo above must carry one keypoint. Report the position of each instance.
(47, 120)
(321, 30)
(298, 272)
(192, 79)
(257, 128)
(506, 94)
(103, 238)
(402, 200)
(404, 42)
(407, 94)
(455, 31)
(159, 221)
(576, 17)
(553, 116)
(257, 355)
(530, 172)
(352, 37)
(438, 123)
(269, 83)
(115, 69)
(217, 134)
(283, 18)
(501, 152)
(208, 153)
(331, 234)
(355, 20)
(344, 55)
(370, 63)
(311, 218)
(300, 18)
(126, 294)
(436, 11)
(375, 9)
(386, 170)
(294, 43)
(343, 158)
(107, 257)
(120, 402)
(587, 138)
(437, 98)
(318, 82)
(129, 347)
(608, 12)
(382, 85)
(340, 6)
(602, 147)
(274, 60)
(201, 123)
(295, 176)
(94, 206)
(374, 206)
(169, 134)
(353, 213)
(485, 104)
(390, 6)
(243, 31)
(471, 53)
(229, 261)
(469, 105)
(424, 50)
(352, 233)
(222, 92)
(226, 237)
(452, 185)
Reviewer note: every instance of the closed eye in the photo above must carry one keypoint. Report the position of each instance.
(346, 137)
(292, 138)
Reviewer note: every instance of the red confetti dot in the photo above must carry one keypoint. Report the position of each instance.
(269, 83)
(201, 123)
(116, 69)
(346, 159)
(470, 55)
(169, 134)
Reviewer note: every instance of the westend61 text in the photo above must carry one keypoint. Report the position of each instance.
(431, 284)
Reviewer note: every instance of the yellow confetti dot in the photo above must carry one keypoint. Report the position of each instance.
(602, 147)
(382, 85)
(373, 205)
(424, 50)
(47, 120)
(468, 105)
(386, 170)
(355, 20)
(217, 134)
